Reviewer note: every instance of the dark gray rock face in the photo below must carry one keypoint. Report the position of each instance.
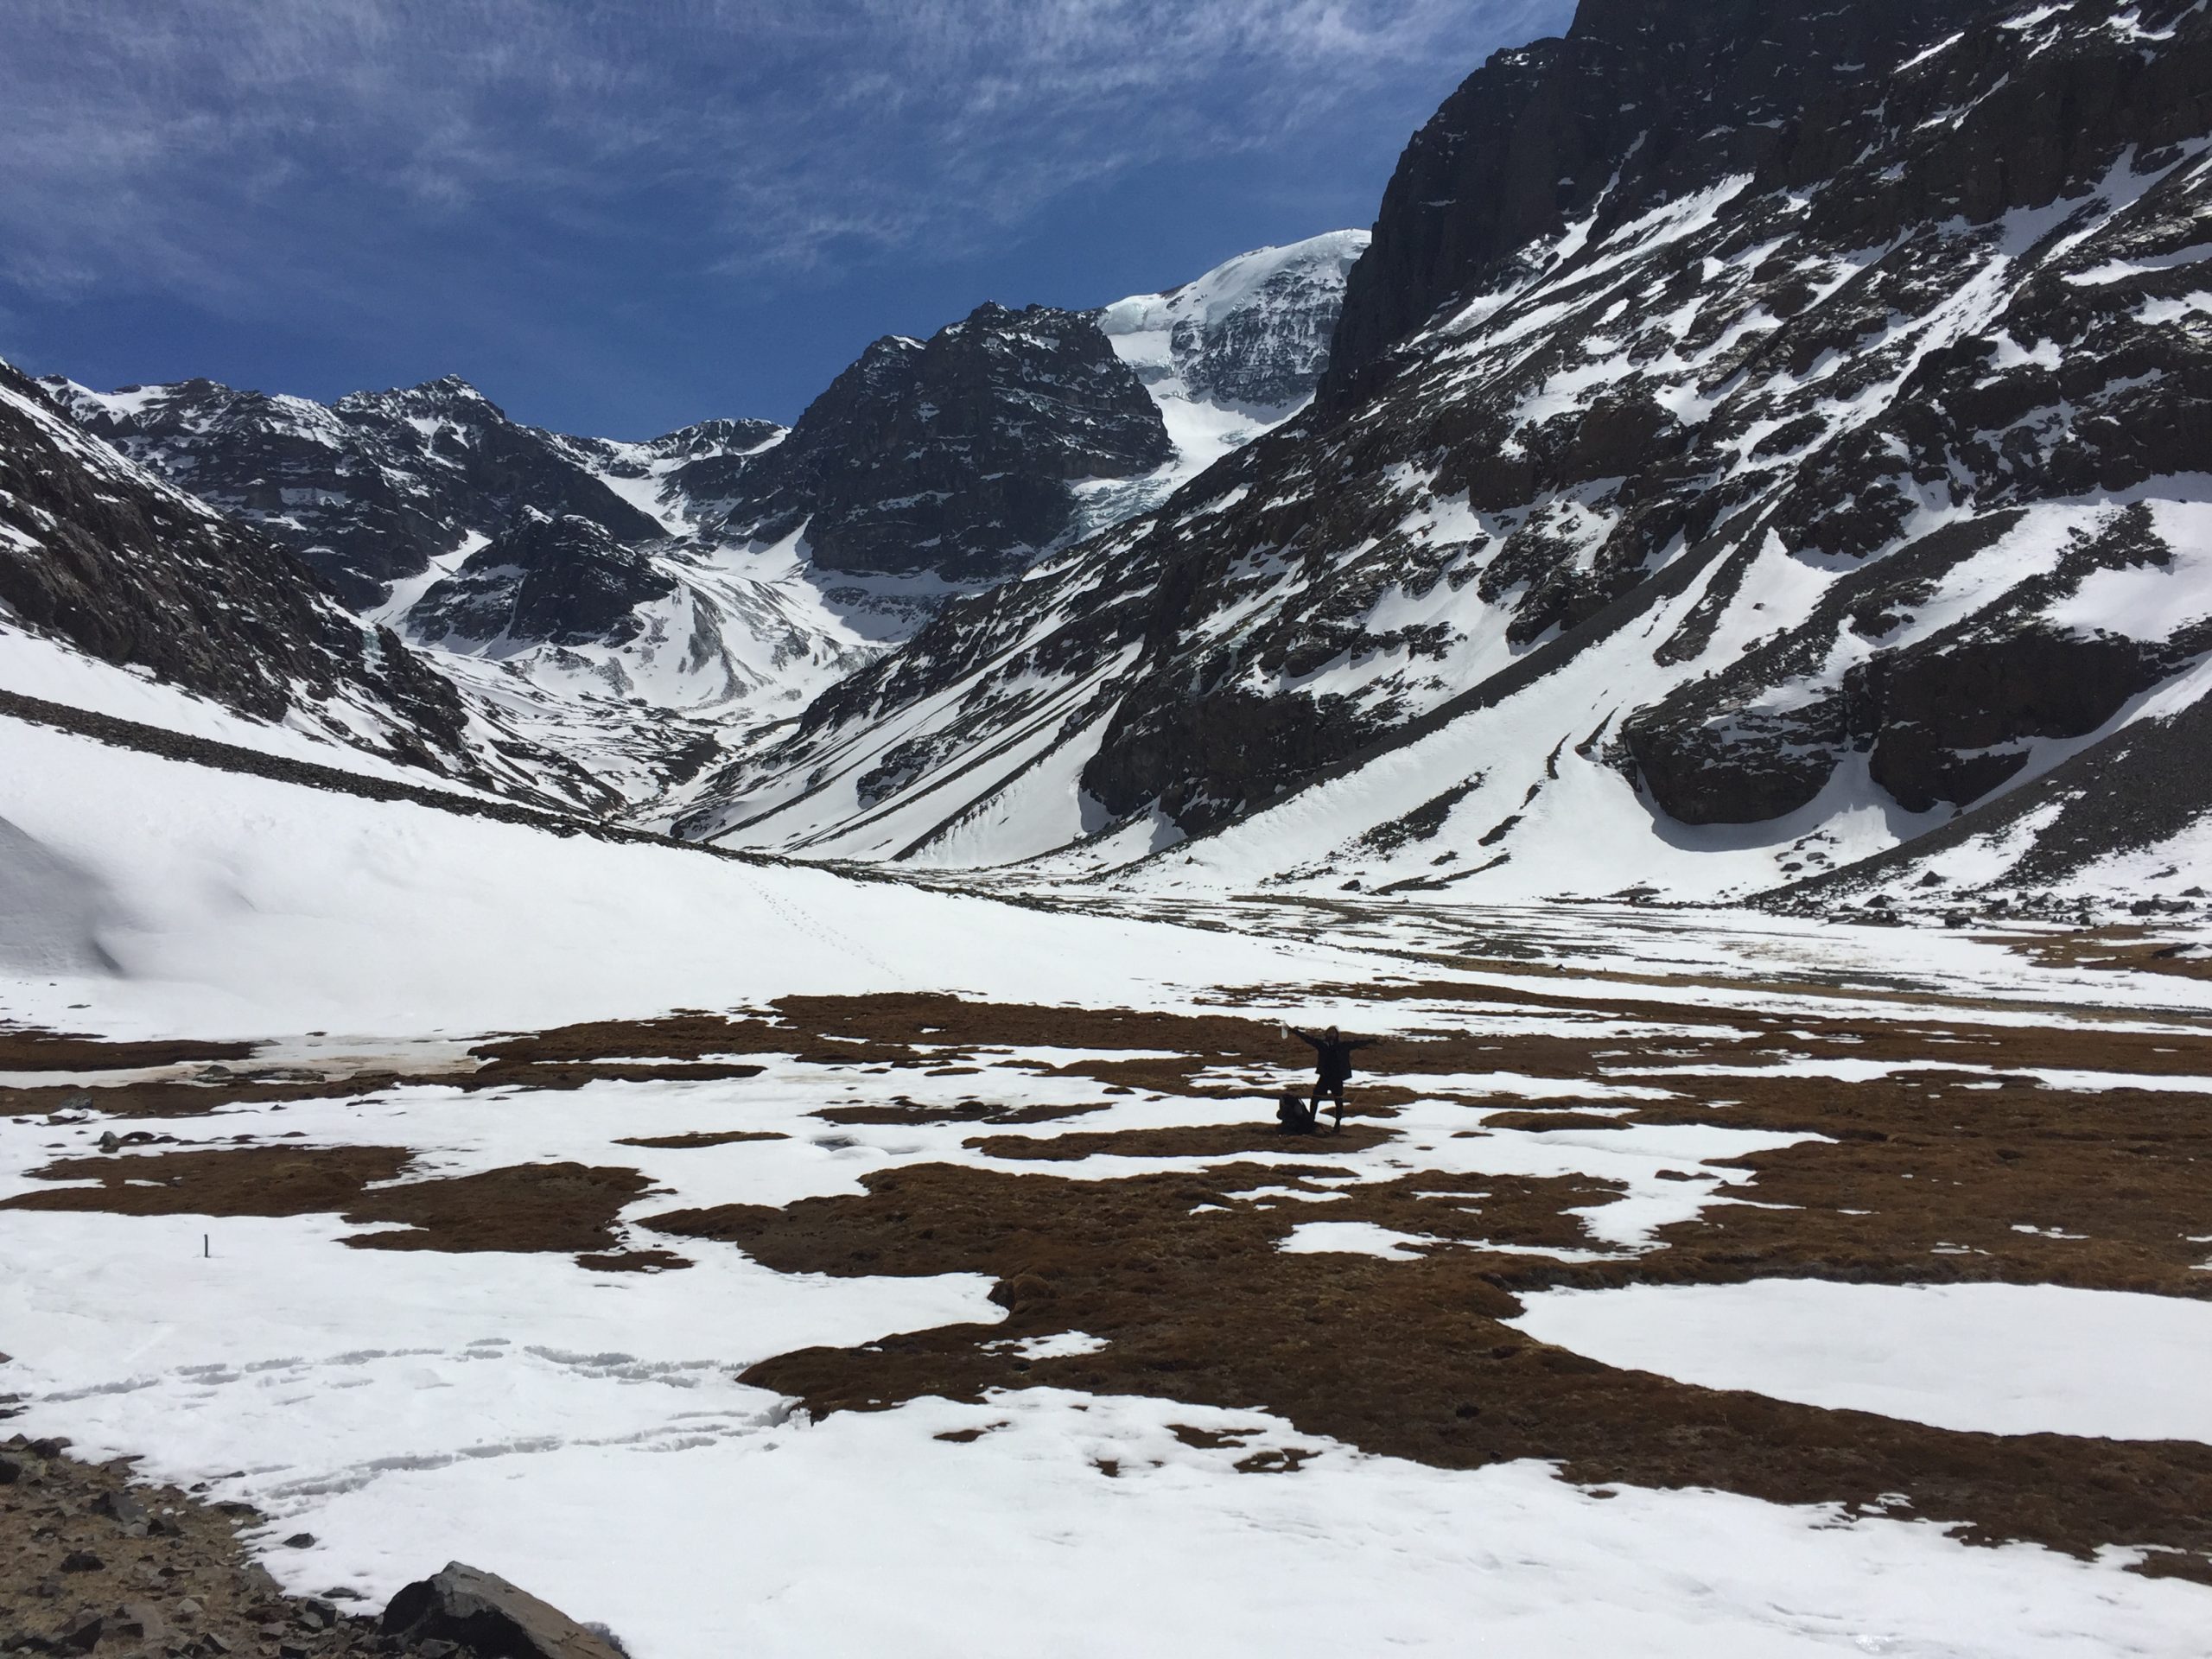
(1640, 100)
(1832, 398)
(96, 553)
(491, 1618)
(563, 581)
(955, 454)
(368, 490)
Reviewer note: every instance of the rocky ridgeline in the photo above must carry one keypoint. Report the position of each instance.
(97, 552)
(92, 1562)
(368, 490)
(671, 574)
(1832, 376)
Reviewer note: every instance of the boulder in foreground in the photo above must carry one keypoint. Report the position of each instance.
(483, 1611)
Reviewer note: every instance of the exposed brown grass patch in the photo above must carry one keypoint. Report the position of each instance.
(24, 1050)
(1202, 1140)
(700, 1138)
(2120, 948)
(1552, 1121)
(1407, 1358)
(239, 1181)
(565, 1207)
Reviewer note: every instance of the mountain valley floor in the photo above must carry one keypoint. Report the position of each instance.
(1683, 1282)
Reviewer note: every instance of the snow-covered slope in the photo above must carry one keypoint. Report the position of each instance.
(198, 899)
(369, 490)
(1800, 476)
(123, 596)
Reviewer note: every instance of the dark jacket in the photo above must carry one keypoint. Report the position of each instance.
(1332, 1061)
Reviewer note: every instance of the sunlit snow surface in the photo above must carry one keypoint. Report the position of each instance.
(583, 1433)
(2004, 1359)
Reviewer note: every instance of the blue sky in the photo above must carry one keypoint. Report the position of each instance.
(619, 218)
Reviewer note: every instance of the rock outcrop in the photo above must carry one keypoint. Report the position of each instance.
(484, 1614)
(561, 581)
(955, 456)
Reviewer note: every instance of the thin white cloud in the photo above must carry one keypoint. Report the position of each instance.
(217, 147)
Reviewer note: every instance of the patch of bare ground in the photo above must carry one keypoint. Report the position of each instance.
(554, 1207)
(232, 1181)
(1936, 1176)
(1207, 1140)
(2122, 949)
(25, 1050)
(217, 1087)
(1552, 1121)
(700, 1138)
(1185, 1283)
(93, 1560)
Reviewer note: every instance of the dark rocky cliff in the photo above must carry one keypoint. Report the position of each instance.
(368, 490)
(955, 454)
(1641, 100)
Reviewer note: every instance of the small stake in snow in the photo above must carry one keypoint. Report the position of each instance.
(205, 1253)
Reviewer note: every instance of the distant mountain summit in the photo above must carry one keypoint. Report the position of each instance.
(644, 606)
(369, 490)
(956, 455)
(1253, 332)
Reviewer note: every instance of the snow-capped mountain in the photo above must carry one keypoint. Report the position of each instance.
(1759, 433)
(124, 596)
(955, 456)
(369, 490)
(644, 606)
(1226, 358)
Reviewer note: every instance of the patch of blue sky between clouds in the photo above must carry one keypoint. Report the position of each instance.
(618, 218)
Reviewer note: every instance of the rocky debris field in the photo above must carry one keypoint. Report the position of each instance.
(94, 1560)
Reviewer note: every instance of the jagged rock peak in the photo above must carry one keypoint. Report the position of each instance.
(546, 579)
(448, 393)
(369, 490)
(721, 435)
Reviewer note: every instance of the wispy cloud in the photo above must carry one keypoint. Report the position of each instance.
(217, 148)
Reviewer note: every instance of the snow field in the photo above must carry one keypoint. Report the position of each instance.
(583, 1432)
(234, 904)
(2003, 1359)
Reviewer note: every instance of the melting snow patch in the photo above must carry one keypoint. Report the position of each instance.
(2002, 1359)
(1349, 1237)
(1068, 1344)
